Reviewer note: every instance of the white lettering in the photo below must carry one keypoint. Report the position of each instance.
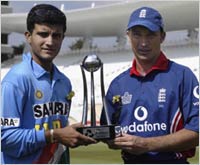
(163, 126)
(145, 127)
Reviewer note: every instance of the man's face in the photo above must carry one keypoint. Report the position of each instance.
(145, 43)
(45, 42)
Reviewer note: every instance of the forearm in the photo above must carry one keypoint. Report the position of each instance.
(21, 142)
(179, 141)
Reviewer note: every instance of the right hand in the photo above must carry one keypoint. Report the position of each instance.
(68, 136)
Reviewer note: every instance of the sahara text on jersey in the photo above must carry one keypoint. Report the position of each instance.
(51, 108)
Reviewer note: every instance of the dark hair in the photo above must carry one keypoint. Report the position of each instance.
(45, 13)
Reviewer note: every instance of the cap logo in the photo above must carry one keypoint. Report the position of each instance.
(143, 13)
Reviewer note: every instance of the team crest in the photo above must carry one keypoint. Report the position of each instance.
(162, 95)
(143, 13)
(126, 98)
(38, 94)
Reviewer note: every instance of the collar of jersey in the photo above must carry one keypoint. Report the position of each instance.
(37, 69)
(161, 64)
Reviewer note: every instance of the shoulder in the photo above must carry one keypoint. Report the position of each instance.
(177, 66)
(20, 75)
(180, 69)
(121, 78)
(182, 74)
(17, 72)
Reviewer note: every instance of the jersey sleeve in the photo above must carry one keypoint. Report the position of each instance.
(16, 141)
(190, 101)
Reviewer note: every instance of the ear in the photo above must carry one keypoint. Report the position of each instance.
(163, 34)
(128, 33)
(28, 36)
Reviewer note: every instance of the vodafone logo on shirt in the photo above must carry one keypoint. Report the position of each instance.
(196, 92)
(141, 114)
(196, 95)
(137, 112)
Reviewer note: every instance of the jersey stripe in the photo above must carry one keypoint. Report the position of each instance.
(177, 122)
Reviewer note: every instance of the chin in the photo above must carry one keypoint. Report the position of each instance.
(142, 56)
(48, 57)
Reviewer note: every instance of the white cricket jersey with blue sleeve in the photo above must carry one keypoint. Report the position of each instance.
(163, 102)
(32, 102)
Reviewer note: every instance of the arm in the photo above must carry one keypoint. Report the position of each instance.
(20, 142)
(179, 141)
(16, 141)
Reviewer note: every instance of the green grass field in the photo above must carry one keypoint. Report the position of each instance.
(101, 154)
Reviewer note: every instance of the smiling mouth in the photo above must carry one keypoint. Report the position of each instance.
(48, 50)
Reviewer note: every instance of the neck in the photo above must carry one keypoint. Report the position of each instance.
(143, 66)
(47, 65)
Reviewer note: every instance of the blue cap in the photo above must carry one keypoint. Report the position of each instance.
(148, 17)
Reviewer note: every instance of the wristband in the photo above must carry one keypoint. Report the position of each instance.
(51, 136)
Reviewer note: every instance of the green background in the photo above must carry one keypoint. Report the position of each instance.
(101, 154)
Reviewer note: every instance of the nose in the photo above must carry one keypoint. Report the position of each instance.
(144, 41)
(49, 40)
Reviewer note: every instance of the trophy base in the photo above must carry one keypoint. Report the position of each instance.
(103, 132)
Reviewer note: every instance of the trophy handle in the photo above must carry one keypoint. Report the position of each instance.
(105, 108)
(93, 111)
(85, 98)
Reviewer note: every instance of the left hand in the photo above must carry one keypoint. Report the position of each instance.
(133, 144)
(111, 144)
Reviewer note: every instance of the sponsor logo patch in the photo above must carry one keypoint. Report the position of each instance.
(196, 95)
(11, 122)
(50, 109)
(141, 114)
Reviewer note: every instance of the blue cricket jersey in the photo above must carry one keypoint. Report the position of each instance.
(30, 104)
(163, 102)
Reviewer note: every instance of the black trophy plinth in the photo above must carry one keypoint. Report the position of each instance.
(105, 132)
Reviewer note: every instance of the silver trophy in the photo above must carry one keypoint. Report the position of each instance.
(92, 63)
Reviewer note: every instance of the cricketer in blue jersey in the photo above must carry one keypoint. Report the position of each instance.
(36, 98)
(155, 102)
